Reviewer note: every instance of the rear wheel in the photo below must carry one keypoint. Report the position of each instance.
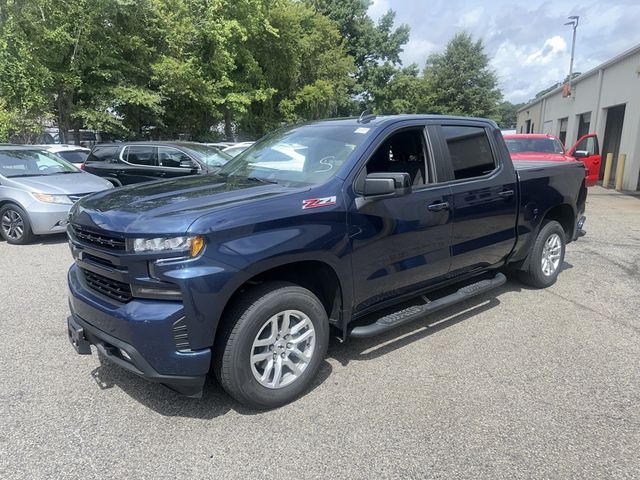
(546, 256)
(272, 345)
(15, 227)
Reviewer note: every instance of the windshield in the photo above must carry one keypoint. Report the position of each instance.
(32, 163)
(308, 154)
(212, 156)
(538, 145)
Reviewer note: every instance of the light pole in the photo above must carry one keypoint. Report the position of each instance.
(573, 21)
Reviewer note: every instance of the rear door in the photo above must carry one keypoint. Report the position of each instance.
(138, 164)
(589, 154)
(484, 190)
(102, 161)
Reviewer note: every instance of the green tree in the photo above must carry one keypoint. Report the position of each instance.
(507, 114)
(376, 48)
(86, 62)
(460, 81)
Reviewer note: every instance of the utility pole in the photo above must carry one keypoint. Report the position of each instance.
(573, 21)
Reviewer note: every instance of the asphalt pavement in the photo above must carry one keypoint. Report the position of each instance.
(518, 383)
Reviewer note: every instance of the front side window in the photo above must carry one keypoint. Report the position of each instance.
(469, 150)
(402, 152)
(30, 163)
(172, 157)
(589, 144)
(140, 155)
(307, 154)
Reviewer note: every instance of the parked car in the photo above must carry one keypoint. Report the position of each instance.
(246, 272)
(71, 153)
(237, 148)
(134, 162)
(537, 146)
(37, 189)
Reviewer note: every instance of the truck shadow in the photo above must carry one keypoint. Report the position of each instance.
(215, 402)
(362, 349)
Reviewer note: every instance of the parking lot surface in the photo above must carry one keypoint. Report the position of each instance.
(517, 383)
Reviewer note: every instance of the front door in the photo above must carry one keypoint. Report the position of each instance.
(484, 198)
(400, 244)
(589, 154)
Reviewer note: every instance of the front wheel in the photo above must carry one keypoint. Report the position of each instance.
(15, 227)
(546, 256)
(272, 345)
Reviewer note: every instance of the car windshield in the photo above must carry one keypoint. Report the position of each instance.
(537, 145)
(211, 156)
(33, 163)
(308, 154)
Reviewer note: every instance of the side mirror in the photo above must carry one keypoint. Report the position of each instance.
(380, 184)
(187, 164)
(581, 153)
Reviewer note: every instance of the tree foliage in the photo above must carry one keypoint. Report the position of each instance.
(220, 68)
(459, 80)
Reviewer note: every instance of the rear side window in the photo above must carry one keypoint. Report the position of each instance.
(100, 154)
(140, 155)
(74, 156)
(469, 150)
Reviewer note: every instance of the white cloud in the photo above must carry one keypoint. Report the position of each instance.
(553, 47)
(471, 18)
(378, 8)
(417, 51)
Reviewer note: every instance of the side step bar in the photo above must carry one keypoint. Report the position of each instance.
(402, 317)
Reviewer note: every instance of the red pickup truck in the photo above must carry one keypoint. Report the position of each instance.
(540, 146)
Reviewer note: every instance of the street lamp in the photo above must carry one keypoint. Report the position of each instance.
(573, 21)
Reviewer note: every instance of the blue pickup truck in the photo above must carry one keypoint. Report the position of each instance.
(348, 226)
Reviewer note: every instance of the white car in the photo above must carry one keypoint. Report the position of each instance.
(71, 153)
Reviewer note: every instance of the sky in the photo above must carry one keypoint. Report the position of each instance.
(527, 42)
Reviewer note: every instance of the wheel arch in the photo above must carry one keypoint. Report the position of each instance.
(317, 276)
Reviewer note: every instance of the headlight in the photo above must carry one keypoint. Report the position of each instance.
(192, 245)
(48, 198)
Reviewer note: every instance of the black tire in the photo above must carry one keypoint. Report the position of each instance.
(246, 317)
(114, 182)
(9, 215)
(534, 275)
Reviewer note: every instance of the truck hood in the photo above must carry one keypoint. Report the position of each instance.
(170, 206)
(547, 157)
(65, 184)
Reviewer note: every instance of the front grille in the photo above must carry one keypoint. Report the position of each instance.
(111, 288)
(100, 239)
(76, 196)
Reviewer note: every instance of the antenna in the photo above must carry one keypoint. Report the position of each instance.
(366, 116)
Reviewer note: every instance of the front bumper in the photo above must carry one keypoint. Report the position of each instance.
(143, 329)
(82, 335)
(49, 218)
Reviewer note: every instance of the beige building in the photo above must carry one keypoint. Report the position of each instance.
(604, 100)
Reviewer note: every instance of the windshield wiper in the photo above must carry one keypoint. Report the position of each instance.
(25, 175)
(261, 180)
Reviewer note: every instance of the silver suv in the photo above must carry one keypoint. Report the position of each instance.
(37, 189)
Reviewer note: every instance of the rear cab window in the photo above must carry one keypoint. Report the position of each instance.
(469, 151)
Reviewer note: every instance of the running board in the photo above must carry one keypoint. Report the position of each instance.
(402, 317)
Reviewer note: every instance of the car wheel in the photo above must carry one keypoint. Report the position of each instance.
(546, 256)
(272, 345)
(15, 227)
(114, 182)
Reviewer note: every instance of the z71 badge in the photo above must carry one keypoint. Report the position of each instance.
(318, 202)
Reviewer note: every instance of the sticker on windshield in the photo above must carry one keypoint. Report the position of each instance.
(362, 130)
(318, 202)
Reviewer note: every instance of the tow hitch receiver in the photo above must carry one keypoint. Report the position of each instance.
(77, 338)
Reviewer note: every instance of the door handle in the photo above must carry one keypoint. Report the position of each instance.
(506, 194)
(162, 174)
(438, 207)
